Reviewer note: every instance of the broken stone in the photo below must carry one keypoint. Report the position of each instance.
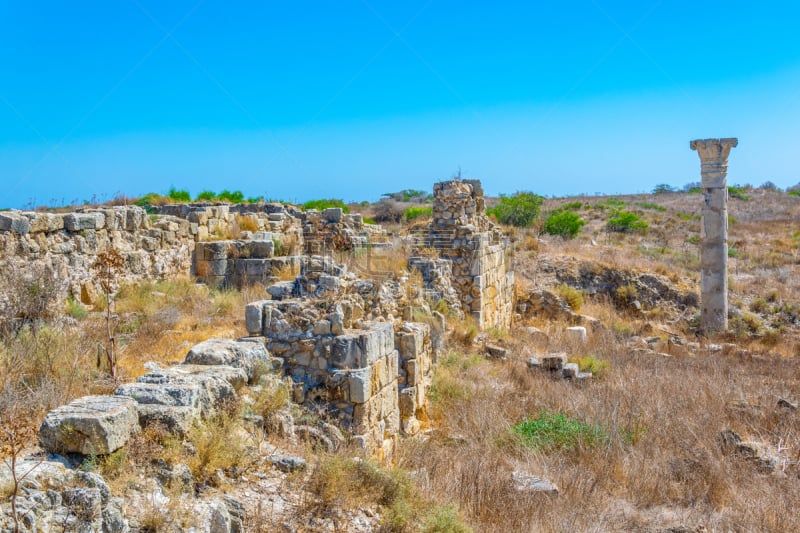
(554, 361)
(92, 425)
(782, 402)
(496, 351)
(244, 354)
(570, 370)
(527, 482)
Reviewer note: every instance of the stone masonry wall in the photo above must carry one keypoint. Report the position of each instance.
(66, 244)
(481, 255)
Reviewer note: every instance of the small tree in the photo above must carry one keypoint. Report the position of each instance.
(662, 188)
(519, 210)
(108, 267)
(16, 432)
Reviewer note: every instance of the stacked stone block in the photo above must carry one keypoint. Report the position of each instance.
(236, 263)
(351, 373)
(416, 360)
(67, 244)
(479, 252)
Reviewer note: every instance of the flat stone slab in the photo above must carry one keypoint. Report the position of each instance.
(92, 425)
(217, 385)
(244, 354)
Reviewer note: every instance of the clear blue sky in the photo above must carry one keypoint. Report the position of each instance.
(355, 98)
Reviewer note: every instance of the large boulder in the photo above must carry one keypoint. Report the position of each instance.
(92, 425)
(245, 354)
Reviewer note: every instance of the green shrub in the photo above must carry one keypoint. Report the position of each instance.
(572, 296)
(591, 364)
(694, 239)
(325, 203)
(572, 206)
(444, 519)
(75, 309)
(413, 213)
(555, 431)
(519, 210)
(611, 203)
(627, 222)
(794, 193)
(234, 197)
(652, 206)
(563, 223)
(740, 193)
(177, 195)
(205, 196)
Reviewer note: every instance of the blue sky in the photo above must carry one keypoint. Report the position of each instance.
(355, 98)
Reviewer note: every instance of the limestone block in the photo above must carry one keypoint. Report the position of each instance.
(55, 222)
(218, 384)
(333, 214)
(407, 402)
(16, 222)
(413, 374)
(245, 354)
(570, 370)
(281, 290)
(323, 327)
(254, 317)
(576, 334)
(554, 361)
(359, 382)
(346, 351)
(90, 425)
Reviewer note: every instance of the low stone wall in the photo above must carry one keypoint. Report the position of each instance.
(66, 245)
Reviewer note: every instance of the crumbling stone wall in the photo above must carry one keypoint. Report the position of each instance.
(480, 254)
(67, 244)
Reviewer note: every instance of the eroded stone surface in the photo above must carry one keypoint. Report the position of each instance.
(90, 425)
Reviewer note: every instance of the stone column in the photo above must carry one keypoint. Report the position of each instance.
(714, 232)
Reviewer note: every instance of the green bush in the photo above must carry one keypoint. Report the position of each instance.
(179, 195)
(234, 197)
(206, 196)
(555, 431)
(444, 519)
(563, 223)
(590, 363)
(627, 222)
(572, 206)
(740, 193)
(519, 210)
(571, 295)
(413, 213)
(652, 206)
(325, 203)
(794, 193)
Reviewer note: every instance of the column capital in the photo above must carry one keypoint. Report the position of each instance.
(714, 159)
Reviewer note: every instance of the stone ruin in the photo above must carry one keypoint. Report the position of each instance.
(714, 246)
(480, 256)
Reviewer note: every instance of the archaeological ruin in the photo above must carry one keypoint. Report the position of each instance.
(714, 231)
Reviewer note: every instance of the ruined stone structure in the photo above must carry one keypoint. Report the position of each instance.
(220, 244)
(714, 232)
(66, 245)
(480, 254)
(345, 354)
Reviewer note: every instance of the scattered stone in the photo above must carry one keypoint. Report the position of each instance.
(782, 402)
(533, 364)
(554, 361)
(244, 354)
(576, 334)
(288, 463)
(496, 352)
(527, 482)
(570, 370)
